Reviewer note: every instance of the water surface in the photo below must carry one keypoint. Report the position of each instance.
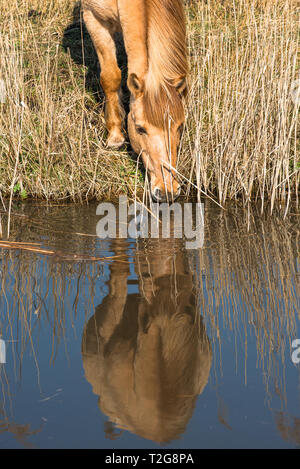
(143, 344)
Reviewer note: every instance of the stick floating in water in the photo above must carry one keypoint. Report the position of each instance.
(31, 247)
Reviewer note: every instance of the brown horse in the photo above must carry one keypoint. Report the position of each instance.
(155, 41)
(147, 355)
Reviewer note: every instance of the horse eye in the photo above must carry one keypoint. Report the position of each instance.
(141, 130)
(180, 129)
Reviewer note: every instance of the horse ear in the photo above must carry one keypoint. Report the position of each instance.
(181, 86)
(135, 85)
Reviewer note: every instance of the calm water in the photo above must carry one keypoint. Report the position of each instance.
(159, 347)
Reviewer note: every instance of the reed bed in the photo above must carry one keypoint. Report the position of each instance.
(242, 133)
(243, 129)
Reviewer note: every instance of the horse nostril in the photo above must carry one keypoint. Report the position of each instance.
(160, 196)
(173, 195)
(157, 194)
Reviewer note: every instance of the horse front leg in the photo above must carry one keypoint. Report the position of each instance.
(110, 78)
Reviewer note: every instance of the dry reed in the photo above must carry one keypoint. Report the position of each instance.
(242, 134)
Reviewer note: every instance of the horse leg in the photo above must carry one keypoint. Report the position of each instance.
(110, 77)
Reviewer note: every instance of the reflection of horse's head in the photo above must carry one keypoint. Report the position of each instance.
(147, 355)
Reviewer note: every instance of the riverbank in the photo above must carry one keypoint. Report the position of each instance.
(241, 138)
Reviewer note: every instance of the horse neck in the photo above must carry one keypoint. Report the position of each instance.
(166, 42)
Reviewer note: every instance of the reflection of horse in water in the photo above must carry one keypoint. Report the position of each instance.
(147, 355)
(289, 427)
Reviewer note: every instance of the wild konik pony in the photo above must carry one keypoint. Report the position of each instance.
(155, 42)
(147, 355)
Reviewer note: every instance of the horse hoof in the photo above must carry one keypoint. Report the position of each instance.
(115, 140)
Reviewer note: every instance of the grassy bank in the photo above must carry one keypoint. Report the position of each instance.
(241, 131)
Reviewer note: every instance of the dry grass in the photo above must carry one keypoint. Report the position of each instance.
(241, 133)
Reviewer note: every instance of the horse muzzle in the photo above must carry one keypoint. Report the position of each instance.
(159, 195)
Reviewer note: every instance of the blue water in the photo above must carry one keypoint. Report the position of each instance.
(245, 284)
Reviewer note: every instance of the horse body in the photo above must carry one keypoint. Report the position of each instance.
(148, 355)
(154, 37)
(106, 11)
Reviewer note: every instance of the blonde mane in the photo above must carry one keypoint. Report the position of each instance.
(167, 60)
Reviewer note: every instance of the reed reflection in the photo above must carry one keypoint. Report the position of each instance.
(147, 354)
(247, 284)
